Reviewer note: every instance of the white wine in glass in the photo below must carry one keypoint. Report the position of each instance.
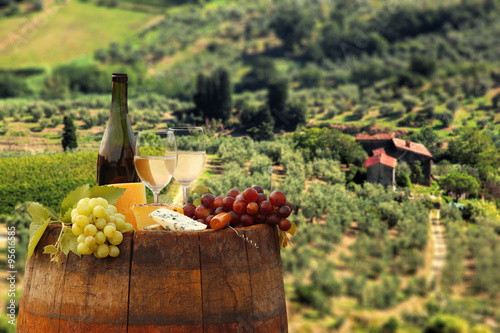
(191, 155)
(155, 159)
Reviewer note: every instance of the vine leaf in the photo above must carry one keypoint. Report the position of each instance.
(68, 242)
(72, 199)
(292, 229)
(37, 228)
(50, 249)
(110, 193)
(39, 214)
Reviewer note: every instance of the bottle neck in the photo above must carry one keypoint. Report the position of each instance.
(119, 107)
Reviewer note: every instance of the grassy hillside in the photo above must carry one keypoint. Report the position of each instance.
(64, 32)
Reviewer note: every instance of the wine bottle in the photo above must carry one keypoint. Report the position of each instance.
(115, 162)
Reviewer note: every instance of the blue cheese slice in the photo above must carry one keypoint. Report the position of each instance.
(172, 220)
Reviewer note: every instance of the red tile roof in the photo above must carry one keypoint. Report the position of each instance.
(376, 137)
(382, 159)
(416, 148)
(378, 151)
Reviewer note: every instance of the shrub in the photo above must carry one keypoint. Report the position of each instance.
(12, 86)
(446, 323)
(360, 112)
(386, 110)
(410, 102)
(446, 118)
(452, 105)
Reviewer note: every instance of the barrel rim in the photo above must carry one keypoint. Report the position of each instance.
(141, 232)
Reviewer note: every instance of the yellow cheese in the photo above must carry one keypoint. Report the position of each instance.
(142, 213)
(135, 194)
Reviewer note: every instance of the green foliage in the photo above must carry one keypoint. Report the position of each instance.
(292, 25)
(213, 96)
(85, 79)
(12, 86)
(325, 142)
(422, 65)
(403, 173)
(446, 118)
(277, 95)
(44, 178)
(458, 184)
(473, 147)
(69, 134)
(446, 323)
(262, 72)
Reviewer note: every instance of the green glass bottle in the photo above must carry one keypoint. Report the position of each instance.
(115, 162)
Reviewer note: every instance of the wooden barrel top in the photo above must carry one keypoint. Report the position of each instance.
(162, 281)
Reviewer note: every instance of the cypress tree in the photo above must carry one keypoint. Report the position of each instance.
(213, 96)
(69, 134)
(277, 94)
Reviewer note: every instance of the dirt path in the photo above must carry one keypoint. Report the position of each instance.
(439, 245)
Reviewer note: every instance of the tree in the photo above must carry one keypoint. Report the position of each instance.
(262, 132)
(423, 65)
(277, 95)
(410, 102)
(54, 87)
(213, 96)
(495, 100)
(453, 105)
(332, 142)
(263, 71)
(446, 117)
(12, 86)
(403, 172)
(458, 184)
(292, 25)
(69, 134)
(295, 115)
(473, 147)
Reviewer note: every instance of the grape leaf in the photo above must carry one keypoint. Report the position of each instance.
(72, 199)
(50, 249)
(68, 242)
(38, 228)
(201, 189)
(165, 198)
(110, 193)
(292, 229)
(38, 214)
(197, 202)
(52, 213)
(283, 238)
(66, 218)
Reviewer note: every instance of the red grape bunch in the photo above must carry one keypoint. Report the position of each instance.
(247, 208)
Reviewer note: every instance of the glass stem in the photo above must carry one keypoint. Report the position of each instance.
(185, 193)
(155, 197)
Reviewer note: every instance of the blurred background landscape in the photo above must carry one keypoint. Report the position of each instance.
(285, 85)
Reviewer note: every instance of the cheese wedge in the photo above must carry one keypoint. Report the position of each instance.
(175, 221)
(135, 193)
(142, 212)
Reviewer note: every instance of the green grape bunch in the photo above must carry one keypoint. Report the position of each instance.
(99, 227)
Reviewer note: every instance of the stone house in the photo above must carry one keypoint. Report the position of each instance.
(381, 168)
(401, 150)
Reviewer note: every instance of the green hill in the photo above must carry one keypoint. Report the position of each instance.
(64, 32)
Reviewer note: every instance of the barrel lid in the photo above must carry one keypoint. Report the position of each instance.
(119, 77)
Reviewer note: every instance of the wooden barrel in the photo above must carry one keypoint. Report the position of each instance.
(163, 281)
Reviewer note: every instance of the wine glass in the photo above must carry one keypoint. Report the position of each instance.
(191, 154)
(155, 159)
